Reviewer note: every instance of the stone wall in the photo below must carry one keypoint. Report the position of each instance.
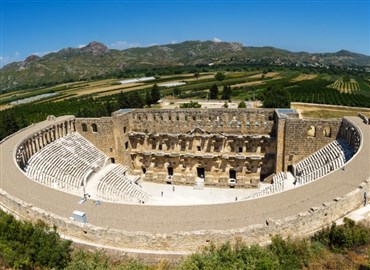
(302, 137)
(236, 121)
(178, 158)
(98, 131)
(180, 145)
(121, 129)
(350, 135)
(302, 224)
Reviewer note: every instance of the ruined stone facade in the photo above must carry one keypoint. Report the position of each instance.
(179, 146)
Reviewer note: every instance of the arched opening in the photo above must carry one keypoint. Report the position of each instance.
(326, 131)
(84, 127)
(311, 132)
(94, 127)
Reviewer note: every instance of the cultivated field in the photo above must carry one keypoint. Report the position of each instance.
(323, 111)
(246, 85)
(303, 77)
(345, 87)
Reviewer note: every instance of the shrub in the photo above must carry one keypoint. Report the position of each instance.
(220, 76)
(346, 236)
(292, 254)
(191, 104)
(242, 104)
(27, 246)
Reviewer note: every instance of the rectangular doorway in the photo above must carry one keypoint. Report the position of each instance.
(232, 174)
(200, 172)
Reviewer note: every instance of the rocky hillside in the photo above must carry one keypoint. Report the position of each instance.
(96, 59)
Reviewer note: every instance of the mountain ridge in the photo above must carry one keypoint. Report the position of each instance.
(96, 59)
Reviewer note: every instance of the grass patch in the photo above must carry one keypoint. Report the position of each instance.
(326, 114)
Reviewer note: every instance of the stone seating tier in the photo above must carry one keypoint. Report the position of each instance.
(64, 164)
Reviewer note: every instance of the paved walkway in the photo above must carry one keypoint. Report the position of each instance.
(169, 219)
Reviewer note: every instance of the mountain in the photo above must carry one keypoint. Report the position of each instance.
(96, 60)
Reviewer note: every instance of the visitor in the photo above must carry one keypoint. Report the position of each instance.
(366, 198)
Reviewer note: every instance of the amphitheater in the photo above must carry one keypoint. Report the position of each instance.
(167, 182)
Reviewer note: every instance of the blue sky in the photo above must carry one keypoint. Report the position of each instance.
(38, 27)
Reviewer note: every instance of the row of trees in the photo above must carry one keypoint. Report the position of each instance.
(226, 92)
(273, 96)
(20, 116)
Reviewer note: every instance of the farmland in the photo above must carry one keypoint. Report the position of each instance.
(101, 97)
(345, 86)
(247, 84)
(303, 77)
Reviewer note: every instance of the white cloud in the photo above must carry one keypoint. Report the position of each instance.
(81, 46)
(121, 45)
(42, 53)
(5, 59)
(174, 42)
(217, 40)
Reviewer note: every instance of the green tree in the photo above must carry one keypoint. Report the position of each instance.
(276, 97)
(226, 92)
(220, 76)
(122, 100)
(148, 98)
(155, 94)
(176, 91)
(9, 124)
(135, 100)
(27, 246)
(242, 104)
(109, 107)
(213, 92)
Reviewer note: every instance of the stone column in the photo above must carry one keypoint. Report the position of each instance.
(280, 145)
